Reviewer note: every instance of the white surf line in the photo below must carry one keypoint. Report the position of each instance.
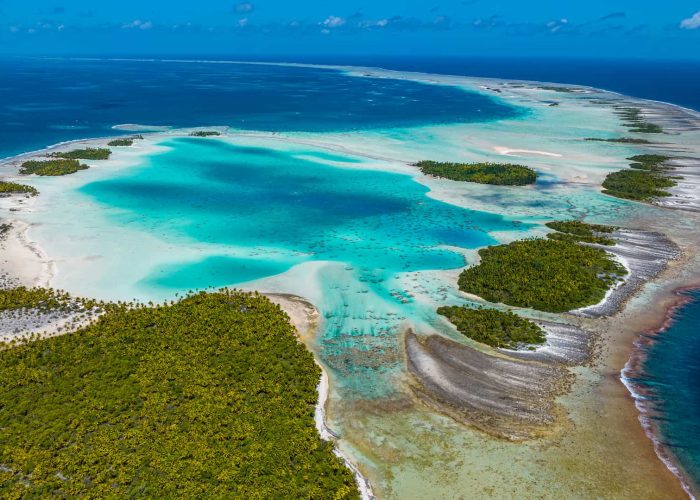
(627, 380)
(326, 434)
(611, 291)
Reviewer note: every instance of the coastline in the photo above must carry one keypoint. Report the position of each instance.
(28, 263)
(29, 266)
(326, 388)
(305, 318)
(633, 369)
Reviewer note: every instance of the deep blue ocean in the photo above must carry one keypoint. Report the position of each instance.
(671, 383)
(43, 102)
(676, 82)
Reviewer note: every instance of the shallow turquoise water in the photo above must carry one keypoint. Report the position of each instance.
(267, 210)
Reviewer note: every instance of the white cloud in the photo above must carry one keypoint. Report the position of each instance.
(137, 23)
(555, 26)
(333, 22)
(242, 23)
(244, 7)
(379, 23)
(692, 23)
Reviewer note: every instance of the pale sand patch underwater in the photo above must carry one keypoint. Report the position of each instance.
(409, 452)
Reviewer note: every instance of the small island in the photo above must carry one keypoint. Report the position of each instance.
(210, 396)
(51, 167)
(636, 123)
(620, 140)
(544, 274)
(646, 180)
(577, 231)
(84, 154)
(649, 162)
(492, 327)
(559, 89)
(500, 174)
(124, 142)
(7, 188)
(638, 185)
(205, 133)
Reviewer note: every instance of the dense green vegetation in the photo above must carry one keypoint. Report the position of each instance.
(544, 274)
(640, 185)
(84, 154)
(124, 142)
(120, 142)
(649, 162)
(636, 123)
(33, 298)
(493, 327)
(575, 230)
(51, 167)
(4, 229)
(205, 133)
(483, 173)
(623, 140)
(647, 128)
(562, 90)
(209, 397)
(14, 188)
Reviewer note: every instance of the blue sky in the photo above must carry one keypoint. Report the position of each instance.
(590, 28)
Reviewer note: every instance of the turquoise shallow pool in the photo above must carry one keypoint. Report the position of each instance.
(267, 210)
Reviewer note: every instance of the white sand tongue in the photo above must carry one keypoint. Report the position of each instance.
(524, 152)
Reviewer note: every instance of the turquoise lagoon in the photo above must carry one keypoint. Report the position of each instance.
(367, 241)
(262, 211)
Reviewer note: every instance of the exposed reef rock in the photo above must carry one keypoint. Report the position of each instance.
(686, 194)
(645, 254)
(510, 393)
(506, 397)
(566, 344)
